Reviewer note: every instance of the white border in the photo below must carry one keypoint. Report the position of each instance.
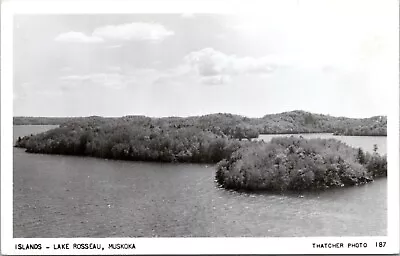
(178, 245)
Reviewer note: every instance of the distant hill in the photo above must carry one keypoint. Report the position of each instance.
(243, 127)
(305, 122)
(28, 120)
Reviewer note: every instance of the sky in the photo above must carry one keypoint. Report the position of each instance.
(329, 57)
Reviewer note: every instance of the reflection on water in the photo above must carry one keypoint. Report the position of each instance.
(67, 196)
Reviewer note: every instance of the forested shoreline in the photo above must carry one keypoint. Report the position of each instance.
(243, 163)
(282, 123)
(139, 139)
(297, 164)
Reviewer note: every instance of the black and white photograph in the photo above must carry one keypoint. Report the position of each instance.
(270, 122)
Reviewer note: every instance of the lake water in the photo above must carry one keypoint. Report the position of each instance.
(365, 142)
(67, 196)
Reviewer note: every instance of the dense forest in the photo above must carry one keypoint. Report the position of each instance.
(138, 138)
(222, 138)
(244, 127)
(27, 120)
(305, 122)
(298, 164)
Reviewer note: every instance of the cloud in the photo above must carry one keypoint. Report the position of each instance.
(136, 31)
(108, 80)
(112, 78)
(212, 67)
(215, 80)
(77, 37)
(206, 66)
(174, 76)
(220, 66)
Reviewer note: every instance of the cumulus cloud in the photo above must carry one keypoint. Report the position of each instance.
(220, 66)
(136, 31)
(206, 66)
(108, 80)
(112, 78)
(215, 80)
(77, 37)
(212, 67)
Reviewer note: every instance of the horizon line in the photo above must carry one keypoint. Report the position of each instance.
(214, 113)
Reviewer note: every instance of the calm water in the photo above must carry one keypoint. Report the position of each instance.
(365, 142)
(66, 196)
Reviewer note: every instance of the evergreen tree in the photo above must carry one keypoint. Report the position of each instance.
(361, 156)
(375, 148)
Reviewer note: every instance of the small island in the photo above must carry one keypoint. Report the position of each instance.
(280, 165)
(298, 164)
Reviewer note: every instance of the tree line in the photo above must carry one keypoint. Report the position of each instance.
(246, 128)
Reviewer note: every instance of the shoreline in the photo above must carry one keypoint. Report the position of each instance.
(224, 140)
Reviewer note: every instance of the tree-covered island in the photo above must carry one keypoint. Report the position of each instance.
(298, 164)
(279, 165)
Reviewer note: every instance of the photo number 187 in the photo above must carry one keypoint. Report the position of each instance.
(380, 244)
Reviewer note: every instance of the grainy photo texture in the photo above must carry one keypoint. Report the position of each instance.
(267, 124)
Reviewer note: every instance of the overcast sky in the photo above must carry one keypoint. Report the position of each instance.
(330, 58)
